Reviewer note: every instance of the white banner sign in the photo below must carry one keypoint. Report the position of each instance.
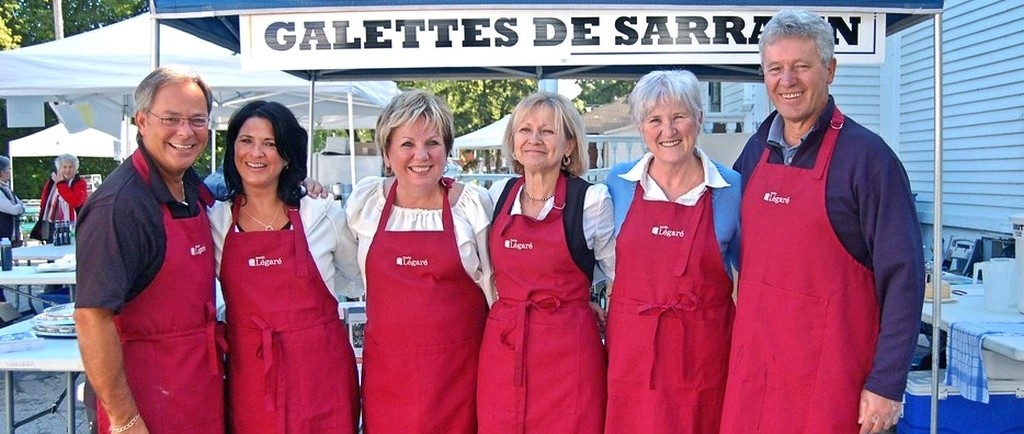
(496, 38)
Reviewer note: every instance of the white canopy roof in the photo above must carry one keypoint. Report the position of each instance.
(56, 140)
(96, 72)
(488, 137)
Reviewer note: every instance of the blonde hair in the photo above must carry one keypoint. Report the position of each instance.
(568, 123)
(409, 106)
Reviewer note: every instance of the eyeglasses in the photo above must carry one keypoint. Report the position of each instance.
(176, 121)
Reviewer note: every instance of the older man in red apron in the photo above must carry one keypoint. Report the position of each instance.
(831, 274)
(145, 301)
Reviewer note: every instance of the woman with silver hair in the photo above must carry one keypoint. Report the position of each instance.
(677, 224)
(11, 207)
(542, 363)
(62, 196)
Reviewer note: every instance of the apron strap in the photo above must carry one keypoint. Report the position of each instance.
(299, 240)
(828, 143)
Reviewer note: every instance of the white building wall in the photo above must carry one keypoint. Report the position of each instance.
(858, 91)
(983, 99)
(983, 119)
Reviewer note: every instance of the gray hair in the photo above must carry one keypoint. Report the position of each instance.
(800, 24)
(160, 77)
(568, 124)
(410, 106)
(666, 87)
(5, 163)
(65, 158)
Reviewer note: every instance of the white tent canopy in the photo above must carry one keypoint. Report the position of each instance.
(56, 140)
(89, 78)
(488, 137)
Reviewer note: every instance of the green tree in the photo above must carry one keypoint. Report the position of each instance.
(597, 92)
(476, 103)
(30, 22)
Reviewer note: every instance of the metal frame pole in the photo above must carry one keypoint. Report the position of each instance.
(937, 227)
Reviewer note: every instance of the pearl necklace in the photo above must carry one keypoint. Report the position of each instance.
(266, 227)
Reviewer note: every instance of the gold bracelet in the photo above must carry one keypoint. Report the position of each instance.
(127, 426)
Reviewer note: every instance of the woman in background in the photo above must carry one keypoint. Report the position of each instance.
(11, 207)
(542, 360)
(62, 196)
(677, 241)
(283, 261)
(423, 251)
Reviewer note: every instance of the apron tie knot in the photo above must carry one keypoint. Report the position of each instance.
(542, 301)
(684, 302)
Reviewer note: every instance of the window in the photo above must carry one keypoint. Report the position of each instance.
(715, 97)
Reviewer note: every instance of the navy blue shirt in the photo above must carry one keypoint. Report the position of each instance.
(872, 211)
(120, 234)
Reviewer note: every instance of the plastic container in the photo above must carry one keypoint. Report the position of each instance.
(1004, 414)
(6, 256)
(998, 276)
(1017, 221)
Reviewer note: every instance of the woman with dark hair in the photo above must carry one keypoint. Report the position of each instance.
(283, 260)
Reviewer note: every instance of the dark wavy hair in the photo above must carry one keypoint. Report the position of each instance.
(290, 139)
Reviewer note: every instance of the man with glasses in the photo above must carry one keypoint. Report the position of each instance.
(145, 312)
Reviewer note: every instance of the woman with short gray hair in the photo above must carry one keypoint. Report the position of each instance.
(62, 196)
(677, 238)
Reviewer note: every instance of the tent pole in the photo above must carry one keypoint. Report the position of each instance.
(351, 139)
(937, 225)
(154, 55)
(309, 141)
(125, 128)
(213, 149)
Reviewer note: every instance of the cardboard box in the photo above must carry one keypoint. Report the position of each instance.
(1004, 414)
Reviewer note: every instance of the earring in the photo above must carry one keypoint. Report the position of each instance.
(566, 160)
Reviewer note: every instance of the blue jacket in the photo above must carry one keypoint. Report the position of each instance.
(725, 205)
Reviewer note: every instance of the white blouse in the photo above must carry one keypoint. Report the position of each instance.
(653, 191)
(471, 214)
(598, 221)
(330, 243)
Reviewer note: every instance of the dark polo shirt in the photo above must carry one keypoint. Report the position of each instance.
(120, 234)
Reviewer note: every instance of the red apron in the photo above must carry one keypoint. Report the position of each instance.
(670, 320)
(807, 315)
(291, 368)
(169, 334)
(425, 318)
(543, 367)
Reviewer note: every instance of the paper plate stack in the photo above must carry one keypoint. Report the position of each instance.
(57, 321)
